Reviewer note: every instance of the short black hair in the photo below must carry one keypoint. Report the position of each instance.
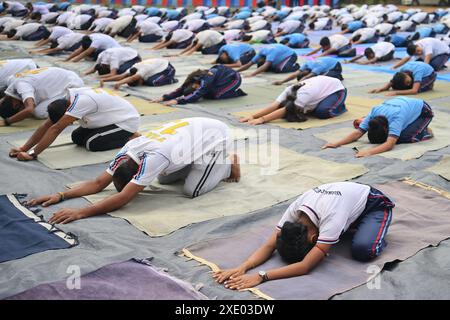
(7, 107)
(356, 38)
(102, 69)
(398, 80)
(222, 60)
(169, 36)
(57, 109)
(292, 242)
(284, 41)
(411, 49)
(53, 44)
(344, 27)
(36, 16)
(311, 25)
(325, 41)
(11, 33)
(133, 71)
(86, 42)
(124, 174)
(246, 37)
(378, 130)
(369, 51)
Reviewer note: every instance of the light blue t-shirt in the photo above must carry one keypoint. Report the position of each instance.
(151, 12)
(439, 27)
(400, 113)
(275, 54)
(419, 69)
(242, 15)
(235, 50)
(319, 65)
(424, 32)
(354, 25)
(172, 14)
(294, 38)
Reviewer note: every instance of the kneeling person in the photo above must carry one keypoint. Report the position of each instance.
(193, 149)
(312, 225)
(107, 122)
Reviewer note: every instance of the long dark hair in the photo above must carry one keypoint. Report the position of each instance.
(292, 112)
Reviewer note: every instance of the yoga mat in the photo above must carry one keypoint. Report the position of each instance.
(24, 233)
(442, 168)
(147, 92)
(420, 219)
(162, 209)
(25, 125)
(64, 154)
(354, 112)
(130, 280)
(404, 151)
(145, 107)
(256, 95)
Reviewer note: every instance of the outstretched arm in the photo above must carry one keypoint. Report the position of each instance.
(386, 146)
(245, 66)
(354, 136)
(33, 140)
(84, 54)
(401, 62)
(264, 112)
(75, 53)
(290, 77)
(261, 69)
(414, 90)
(314, 51)
(188, 51)
(386, 87)
(127, 80)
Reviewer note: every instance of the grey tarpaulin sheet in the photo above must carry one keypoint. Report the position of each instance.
(105, 240)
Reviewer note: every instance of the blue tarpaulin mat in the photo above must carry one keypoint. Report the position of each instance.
(22, 232)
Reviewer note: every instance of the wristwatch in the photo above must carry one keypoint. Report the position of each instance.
(32, 154)
(263, 276)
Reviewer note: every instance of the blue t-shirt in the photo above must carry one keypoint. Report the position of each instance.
(294, 38)
(319, 65)
(275, 54)
(151, 12)
(354, 25)
(397, 40)
(172, 14)
(424, 32)
(235, 50)
(419, 69)
(439, 27)
(400, 113)
(282, 14)
(242, 15)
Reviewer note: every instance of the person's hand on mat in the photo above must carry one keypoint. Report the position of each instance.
(246, 119)
(64, 216)
(363, 153)
(375, 91)
(15, 151)
(117, 86)
(157, 100)
(248, 75)
(390, 94)
(277, 83)
(2, 123)
(222, 275)
(256, 122)
(24, 156)
(170, 102)
(330, 145)
(243, 282)
(45, 201)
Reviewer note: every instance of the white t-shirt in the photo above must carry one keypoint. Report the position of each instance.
(338, 41)
(49, 16)
(158, 20)
(313, 92)
(404, 25)
(173, 146)
(96, 108)
(384, 28)
(115, 57)
(289, 26)
(77, 21)
(321, 23)
(195, 24)
(432, 46)
(366, 33)
(170, 25)
(419, 17)
(148, 27)
(371, 21)
(394, 16)
(192, 16)
(58, 32)
(142, 17)
(27, 29)
(260, 35)
(216, 21)
(43, 86)
(100, 24)
(232, 35)
(119, 24)
(382, 48)
(209, 38)
(69, 40)
(150, 67)
(4, 20)
(126, 12)
(64, 17)
(332, 208)
(15, 6)
(235, 24)
(11, 67)
(103, 41)
(258, 25)
(252, 20)
(104, 14)
(181, 35)
(10, 25)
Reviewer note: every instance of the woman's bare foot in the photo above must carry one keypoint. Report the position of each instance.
(235, 175)
(430, 132)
